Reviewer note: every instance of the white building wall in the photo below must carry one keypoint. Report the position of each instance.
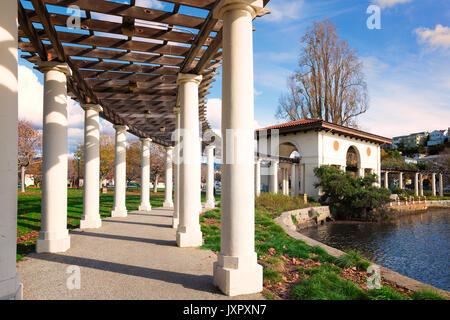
(330, 156)
(308, 146)
(318, 148)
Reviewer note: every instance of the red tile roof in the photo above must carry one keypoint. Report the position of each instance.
(290, 124)
(318, 124)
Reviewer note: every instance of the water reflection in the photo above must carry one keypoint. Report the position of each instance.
(416, 246)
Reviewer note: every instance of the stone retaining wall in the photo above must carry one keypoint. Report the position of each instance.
(306, 217)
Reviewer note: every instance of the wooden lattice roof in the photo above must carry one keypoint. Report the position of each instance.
(126, 57)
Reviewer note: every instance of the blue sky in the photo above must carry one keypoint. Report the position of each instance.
(406, 62)
(407, 68)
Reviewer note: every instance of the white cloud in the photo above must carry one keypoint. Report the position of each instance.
(214, 115)
(286, 10)
(30, 96)
(389, 3)
(437, 37)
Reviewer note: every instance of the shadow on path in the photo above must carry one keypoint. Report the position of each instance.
(195, 282)
(140, 223)
(170, 243)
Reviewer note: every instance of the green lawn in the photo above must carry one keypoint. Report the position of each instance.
(318, 274)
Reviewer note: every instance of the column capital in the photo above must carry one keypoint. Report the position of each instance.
(146, 139)
(120, 128)
(252, 6)
(189, 77)
(91, 106)
(210, 146)
(169, 148)
(45, 66)
(176, 110)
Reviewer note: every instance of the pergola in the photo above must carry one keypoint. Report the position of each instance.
(148, 72)
(419, 176)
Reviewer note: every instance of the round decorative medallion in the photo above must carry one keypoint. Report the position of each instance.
(336, 145)
(369, 151)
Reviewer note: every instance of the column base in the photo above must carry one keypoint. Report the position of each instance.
(209, 205)
(145, 207)
(11, 289)
(175, 222)
(52, 242)
(233, 277)
(119, 213)
(90, 223)
(189, 238)
(168, 204)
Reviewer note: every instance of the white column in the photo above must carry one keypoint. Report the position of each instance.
(421, 184)
(188, 232)
(120, 172)
(294, 180)
(258, 177)
(210, 202)
(54, 236)
(302, 178)
(91, 184)
(145, 175)
(176, 211)
(441, 184)
(361, 172)
(400, 180)
(10, 288)
(386, 179)
(433, 184)
(168, 202)
(274, 176)
(237, 271)
(284, 178)
(416, 184)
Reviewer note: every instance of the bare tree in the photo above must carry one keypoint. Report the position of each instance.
(330, 83)
(157, 164)
(134, 161)
(29, 143)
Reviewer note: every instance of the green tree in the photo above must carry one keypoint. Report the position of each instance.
(348, 197)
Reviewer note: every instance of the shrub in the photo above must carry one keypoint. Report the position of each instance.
(352, 259)
(425, 295)
(279, 202)
(349, 197)
(385, 293)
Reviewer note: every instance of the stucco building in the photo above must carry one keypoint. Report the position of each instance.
(314, 143)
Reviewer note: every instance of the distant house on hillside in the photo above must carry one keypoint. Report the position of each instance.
(437, 137)
(410, 141)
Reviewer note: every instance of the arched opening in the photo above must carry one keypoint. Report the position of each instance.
(352, 161)
(289, 176)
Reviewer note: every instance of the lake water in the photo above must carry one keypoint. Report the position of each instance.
(417, 246)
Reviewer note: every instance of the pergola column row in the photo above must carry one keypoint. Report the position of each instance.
(236, 271)
(418, 183)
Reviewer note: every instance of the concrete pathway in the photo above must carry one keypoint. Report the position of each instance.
(127, 258)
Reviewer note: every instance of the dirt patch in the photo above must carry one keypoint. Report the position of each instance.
(211, 222)
(29, 236)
